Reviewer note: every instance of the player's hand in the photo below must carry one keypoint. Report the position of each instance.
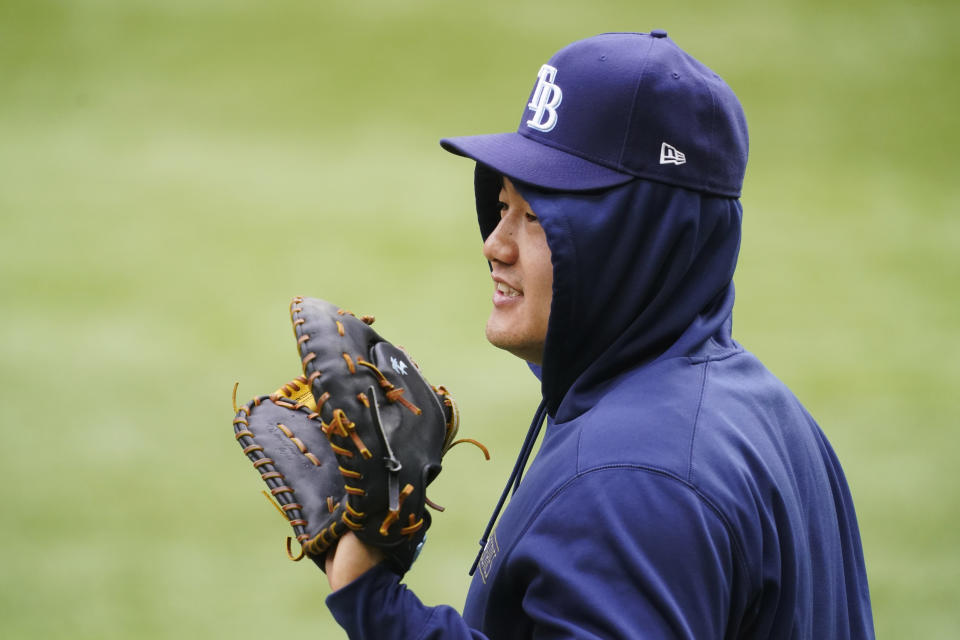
(349, 560)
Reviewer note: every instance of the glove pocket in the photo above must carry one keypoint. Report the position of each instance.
(290, 451)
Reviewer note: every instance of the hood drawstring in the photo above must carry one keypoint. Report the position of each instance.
(514, 481)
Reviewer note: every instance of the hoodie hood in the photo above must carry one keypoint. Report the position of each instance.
(641, 271)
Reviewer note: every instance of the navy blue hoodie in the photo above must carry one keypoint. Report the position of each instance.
(681, 490)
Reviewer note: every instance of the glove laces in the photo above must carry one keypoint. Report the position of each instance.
(514, 480)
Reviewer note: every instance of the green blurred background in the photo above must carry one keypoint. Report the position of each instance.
(172, 173)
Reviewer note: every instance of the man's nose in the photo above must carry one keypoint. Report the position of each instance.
(500, 245)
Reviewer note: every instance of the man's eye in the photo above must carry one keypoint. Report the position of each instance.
(501, 207)
(531, 217)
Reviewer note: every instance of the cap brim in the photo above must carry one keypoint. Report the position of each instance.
(526, 160)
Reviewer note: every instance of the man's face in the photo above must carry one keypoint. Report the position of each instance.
(523, 278)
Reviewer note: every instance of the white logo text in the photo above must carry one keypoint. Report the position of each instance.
(546, 98)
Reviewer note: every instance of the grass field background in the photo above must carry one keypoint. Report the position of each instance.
(172, 173)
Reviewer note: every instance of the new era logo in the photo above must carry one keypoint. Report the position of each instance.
(670, 155)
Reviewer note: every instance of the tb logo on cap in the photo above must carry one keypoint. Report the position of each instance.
(546, 98)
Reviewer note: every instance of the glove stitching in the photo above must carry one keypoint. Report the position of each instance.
(359, 505)
(273, 478)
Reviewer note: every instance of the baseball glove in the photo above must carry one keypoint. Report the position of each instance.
(354, 442)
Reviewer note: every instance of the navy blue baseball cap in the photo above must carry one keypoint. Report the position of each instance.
(619, 106)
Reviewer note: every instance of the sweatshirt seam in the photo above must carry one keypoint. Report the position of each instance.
(734, 539)
(696, 420)
(691, 360)
(731, 352)
(426, 623)
(579, 450)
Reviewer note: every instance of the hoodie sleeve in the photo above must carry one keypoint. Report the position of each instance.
(617, 552)
(377, 606)
(625, 552)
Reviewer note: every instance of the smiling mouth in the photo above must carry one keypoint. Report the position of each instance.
(507, 290)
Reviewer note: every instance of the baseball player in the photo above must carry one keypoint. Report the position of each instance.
(681, 490)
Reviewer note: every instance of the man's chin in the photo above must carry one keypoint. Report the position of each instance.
(525, 349)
